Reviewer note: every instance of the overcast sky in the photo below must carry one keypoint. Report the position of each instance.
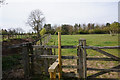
(16, 12)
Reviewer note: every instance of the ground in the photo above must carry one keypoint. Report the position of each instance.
(11, 59)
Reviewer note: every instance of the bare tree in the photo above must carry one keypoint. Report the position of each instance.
(2, 2)
(36, 20)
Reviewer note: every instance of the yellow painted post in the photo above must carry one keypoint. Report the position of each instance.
(59, 54)
(51, 76)
(54, 76)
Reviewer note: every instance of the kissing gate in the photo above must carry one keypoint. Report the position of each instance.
(41, 60)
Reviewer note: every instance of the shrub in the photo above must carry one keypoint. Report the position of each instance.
(83, 32)
(96, 31)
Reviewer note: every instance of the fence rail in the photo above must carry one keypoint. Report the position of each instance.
(53, 46)
(72, 47)
(25, 43)
(105, 47)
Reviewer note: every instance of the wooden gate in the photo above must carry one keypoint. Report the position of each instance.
(83, 59)
(33, 57)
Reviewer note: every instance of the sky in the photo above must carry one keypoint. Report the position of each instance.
(57, 12)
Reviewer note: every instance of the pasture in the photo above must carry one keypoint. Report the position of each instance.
(91, 40)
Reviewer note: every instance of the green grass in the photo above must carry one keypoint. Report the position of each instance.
(91, 40)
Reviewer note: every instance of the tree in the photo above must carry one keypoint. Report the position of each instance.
(90, 26)
(49, 29)
(114, 28)
(4, 31)
(70, 29)
(84, 27)
(43, 31)
(2, 2)
(36, 20)
(57, 29)
(11, 31)
(67, 29)
(76, 28)
(107, 24)
(47, 26)
(97, 26)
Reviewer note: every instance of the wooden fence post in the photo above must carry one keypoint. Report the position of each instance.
(59, 55)
(80, 60)
(84, 60)
(8, 36)
(82, 68)
(44, 40)
(47, 38)
(25, 60)
(54, 49)
(78, 71)
(51, 51)
(46, 61)
(32, 59)
(2, 37)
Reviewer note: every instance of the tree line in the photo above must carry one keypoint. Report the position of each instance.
(66, 29)
(36, 20)
(12, 31)
(90, 28)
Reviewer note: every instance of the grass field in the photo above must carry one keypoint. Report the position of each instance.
(92, 40)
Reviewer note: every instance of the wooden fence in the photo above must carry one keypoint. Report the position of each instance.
(33, 63)
(35, 42)
(15, 36)
(31, 59)
(39, 59)
(81, 59)
(45, 38)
